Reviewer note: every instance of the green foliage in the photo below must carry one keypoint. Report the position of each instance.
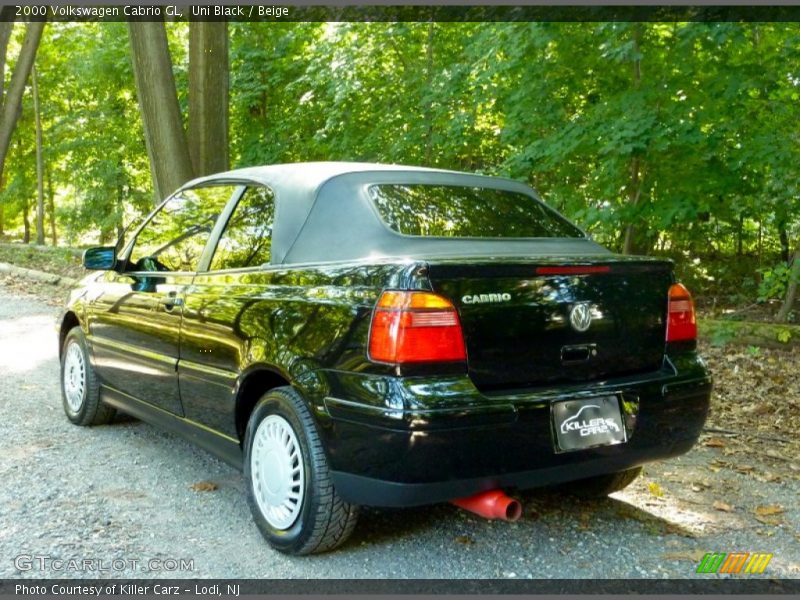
(95, 162)
(723, 333)
(62, 261)
(683, 137)
(774, 281)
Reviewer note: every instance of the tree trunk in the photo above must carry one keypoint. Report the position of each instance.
(120, 208)
(633, 243)
(26, 224)
(6, 26)
(784, 238)
(791, 289)
(13, 99)
(739, 234)
(39, 162)
(760, 240)
(106, 235)
(167, 149)
(51, 209)
(208, 96)
(428, 109)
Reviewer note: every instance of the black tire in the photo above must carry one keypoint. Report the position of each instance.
(87, 407)
(324, 521)
(602, 485)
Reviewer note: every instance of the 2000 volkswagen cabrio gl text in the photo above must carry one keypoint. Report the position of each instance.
(353, 334)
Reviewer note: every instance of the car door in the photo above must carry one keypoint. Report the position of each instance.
(219, 319)
(136, 317)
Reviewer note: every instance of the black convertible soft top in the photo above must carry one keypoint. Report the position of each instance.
(324, 213)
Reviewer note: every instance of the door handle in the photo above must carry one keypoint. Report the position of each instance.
(171, 301)
(578, 354)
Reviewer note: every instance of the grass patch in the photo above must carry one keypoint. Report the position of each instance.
(61, 261)
(721, 332)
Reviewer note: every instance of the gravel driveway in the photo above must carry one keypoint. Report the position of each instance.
(125, 492)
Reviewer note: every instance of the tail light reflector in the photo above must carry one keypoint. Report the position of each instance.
(413, 327)
(573, 270)
(681, 321)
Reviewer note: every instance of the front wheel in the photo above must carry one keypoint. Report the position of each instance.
(80, 389)
(289, 487)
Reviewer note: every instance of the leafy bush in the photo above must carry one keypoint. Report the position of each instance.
(774, 281)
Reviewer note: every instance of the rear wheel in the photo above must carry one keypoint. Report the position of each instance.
(80, 389)
(602, 485)
(289, 487)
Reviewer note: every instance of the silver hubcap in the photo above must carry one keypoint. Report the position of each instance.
(74, 377)
(276, 465)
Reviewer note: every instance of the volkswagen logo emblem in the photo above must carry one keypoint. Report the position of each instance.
(580, 317)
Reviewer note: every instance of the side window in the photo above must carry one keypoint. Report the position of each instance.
(247, 238)
(175, 237)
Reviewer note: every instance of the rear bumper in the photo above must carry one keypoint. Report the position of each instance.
(432, 440)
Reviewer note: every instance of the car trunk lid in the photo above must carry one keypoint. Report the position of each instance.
(532, 323)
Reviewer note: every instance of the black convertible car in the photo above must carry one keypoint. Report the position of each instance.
(355, 334)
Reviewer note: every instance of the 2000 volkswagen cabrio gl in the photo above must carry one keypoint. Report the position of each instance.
(353, 334)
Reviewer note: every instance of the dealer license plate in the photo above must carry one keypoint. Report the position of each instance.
(587, 423)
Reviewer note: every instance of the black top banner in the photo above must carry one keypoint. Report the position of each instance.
(413, 13)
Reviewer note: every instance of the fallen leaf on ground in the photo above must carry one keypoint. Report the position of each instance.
(655, 489)
(770, 520)
(714, 443)
(765, 532)
(204, 486)
(722, 506)
(771, 509)
(464, 539)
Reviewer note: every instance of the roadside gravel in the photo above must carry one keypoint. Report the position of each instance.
(125, 491)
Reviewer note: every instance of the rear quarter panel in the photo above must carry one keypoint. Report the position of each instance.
(297, 322)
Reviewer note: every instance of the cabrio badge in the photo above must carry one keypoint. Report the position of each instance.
(580, 317)
(485, 298)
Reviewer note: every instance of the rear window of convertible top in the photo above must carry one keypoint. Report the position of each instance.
(466, 212)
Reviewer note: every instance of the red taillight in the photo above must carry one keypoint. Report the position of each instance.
(410, 327)
(681, 323)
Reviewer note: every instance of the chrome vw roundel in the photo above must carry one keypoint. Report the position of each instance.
(580, 317)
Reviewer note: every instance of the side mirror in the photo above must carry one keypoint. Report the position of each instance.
(100, 258)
